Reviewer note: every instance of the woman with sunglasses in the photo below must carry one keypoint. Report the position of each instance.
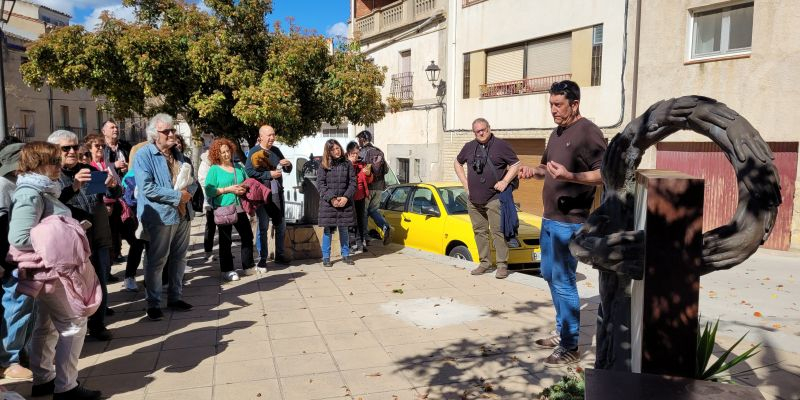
(86, 206)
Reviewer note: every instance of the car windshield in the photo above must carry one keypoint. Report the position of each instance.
(454, 199)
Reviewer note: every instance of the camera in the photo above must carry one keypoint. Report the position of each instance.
(478, 163)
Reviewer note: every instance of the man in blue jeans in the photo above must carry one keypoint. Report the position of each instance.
(375, 158)
(570, 168)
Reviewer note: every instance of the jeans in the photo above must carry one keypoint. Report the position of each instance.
(485, 218)
(242, 226)
(372, 208)
(101, 260)
(266, 213)
(327, 236)
(361, 220)
(167, 249)
(57, 340)
(211, 230)
(17, 326)
(558, 269)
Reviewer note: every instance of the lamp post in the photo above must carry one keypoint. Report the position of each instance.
(432, 71)
(4, 20)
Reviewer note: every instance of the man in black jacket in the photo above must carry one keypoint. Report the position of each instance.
(117, 153)
(374, 156)
(272, 179)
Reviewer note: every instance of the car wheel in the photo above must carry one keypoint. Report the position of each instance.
(461, 253)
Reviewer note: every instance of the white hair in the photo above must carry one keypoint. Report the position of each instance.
(61, 134)
(152, 131)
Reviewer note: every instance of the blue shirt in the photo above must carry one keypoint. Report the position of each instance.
(157, 201)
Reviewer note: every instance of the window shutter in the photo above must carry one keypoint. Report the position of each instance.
(505, 65)
(550, 57)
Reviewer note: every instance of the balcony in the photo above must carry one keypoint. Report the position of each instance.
(24, 135)
(396, 15)
(402, 87)
(522, 86)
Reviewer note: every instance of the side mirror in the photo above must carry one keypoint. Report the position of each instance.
(430, 210)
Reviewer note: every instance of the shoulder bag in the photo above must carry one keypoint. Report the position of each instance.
(227, 215)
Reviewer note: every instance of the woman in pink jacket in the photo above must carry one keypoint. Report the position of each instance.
(59, 331)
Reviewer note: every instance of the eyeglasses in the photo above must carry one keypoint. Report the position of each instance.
(98, 145)
(484, 130)
(168, 131)
(73, 147)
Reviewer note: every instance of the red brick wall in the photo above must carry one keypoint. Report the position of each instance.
(365, 7)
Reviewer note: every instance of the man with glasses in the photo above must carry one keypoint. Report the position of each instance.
(570, 168)
(491, 166)
(163, 213)
(116, 153)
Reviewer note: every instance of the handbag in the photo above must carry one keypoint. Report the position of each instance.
(227, 215)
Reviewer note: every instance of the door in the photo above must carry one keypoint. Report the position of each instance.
(425, 232)
(529, 194)
(394, 208)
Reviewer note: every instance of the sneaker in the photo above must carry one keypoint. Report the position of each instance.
(480, 270)
(562, 356)
(43, 389)
(387, 235)
(230, 276)
(261, 270)
(281, 259)
(347, 260)
(326, 262)
(179, 305)
(249, 271)
(16, 371)
(102, 335)
(129, 284)
(502, 272)
(78, 393)
(550, 342)
(155, 314)
(364, 246)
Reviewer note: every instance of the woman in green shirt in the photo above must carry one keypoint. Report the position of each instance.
(223, 188)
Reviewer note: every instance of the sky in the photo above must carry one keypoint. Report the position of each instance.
(328, 17)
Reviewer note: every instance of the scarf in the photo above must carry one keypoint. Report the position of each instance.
(41, 183)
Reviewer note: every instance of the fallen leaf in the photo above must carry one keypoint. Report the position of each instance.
(774, 296)
(351, 293)
(436, 305)
(712, 294)
(399, 291)
(374, 374)
(757, 314)
(776, 326)
(258, 394)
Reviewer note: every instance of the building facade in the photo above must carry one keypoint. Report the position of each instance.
(33, 114)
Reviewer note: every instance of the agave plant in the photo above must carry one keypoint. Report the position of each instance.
(705, 346)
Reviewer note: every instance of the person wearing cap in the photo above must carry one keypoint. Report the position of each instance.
(375, 158)
(17, 308)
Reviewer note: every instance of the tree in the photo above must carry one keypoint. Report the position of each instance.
(226, 72)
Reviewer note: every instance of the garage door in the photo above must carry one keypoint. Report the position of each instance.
(529, 195)
(705, 160)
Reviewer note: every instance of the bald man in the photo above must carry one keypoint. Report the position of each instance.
(274, 211)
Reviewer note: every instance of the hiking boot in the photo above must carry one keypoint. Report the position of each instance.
(347, 260)
(78, 393)
(326, 262)
(502, 272)
(155, 314)
(562, 356)
(16, 371)
(179, 305)
(480, 270)
(43, 389)
(387, 235)
(549, 342)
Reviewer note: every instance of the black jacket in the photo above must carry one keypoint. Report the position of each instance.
(338, 181)
(373, 155)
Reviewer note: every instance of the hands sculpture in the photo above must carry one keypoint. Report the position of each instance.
(607, 240)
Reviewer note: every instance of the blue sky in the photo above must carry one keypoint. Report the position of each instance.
(328, 17)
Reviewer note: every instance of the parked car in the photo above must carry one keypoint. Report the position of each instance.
(433, 217)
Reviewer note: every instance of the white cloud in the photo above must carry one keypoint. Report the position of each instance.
(118, 11)
(338, 29)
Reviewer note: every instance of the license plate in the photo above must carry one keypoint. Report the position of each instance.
(536, 256)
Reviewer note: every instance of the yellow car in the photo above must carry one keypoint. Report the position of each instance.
(433, 217)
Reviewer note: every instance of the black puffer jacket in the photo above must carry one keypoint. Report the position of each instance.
(338, 181)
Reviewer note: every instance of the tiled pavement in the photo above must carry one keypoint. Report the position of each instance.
(304, 332)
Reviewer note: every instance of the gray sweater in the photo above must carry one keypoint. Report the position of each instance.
(29, 207)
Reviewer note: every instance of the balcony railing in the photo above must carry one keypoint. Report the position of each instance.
(24, 135)
(522, 86)
(396, 15)
(402, 87)
(467, 3)
(78, 130)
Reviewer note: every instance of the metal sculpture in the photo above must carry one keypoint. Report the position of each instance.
(607, 240)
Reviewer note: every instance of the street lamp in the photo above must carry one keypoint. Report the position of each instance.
(433, 73)
(4, 20)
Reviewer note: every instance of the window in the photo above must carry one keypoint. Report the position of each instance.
(454, 199)
(65, 117)
(335, 131)
(466, 76)
(27, 128)
(505, 65)
(597, 53)
(82, 121)
(397, 201)
(423, 197)
(549, 56)
(417, 168)
(723, 31)
(403, 169)
(529, 67)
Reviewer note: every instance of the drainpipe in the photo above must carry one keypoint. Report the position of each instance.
(50, 106)
(635, 83)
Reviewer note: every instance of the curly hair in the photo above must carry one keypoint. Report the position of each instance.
(216, 145)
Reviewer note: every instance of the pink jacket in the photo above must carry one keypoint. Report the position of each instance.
(60, 252)
(257, 194)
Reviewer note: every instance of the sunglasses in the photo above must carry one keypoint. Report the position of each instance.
(168, 131)
(559, 87)
(73, 147)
